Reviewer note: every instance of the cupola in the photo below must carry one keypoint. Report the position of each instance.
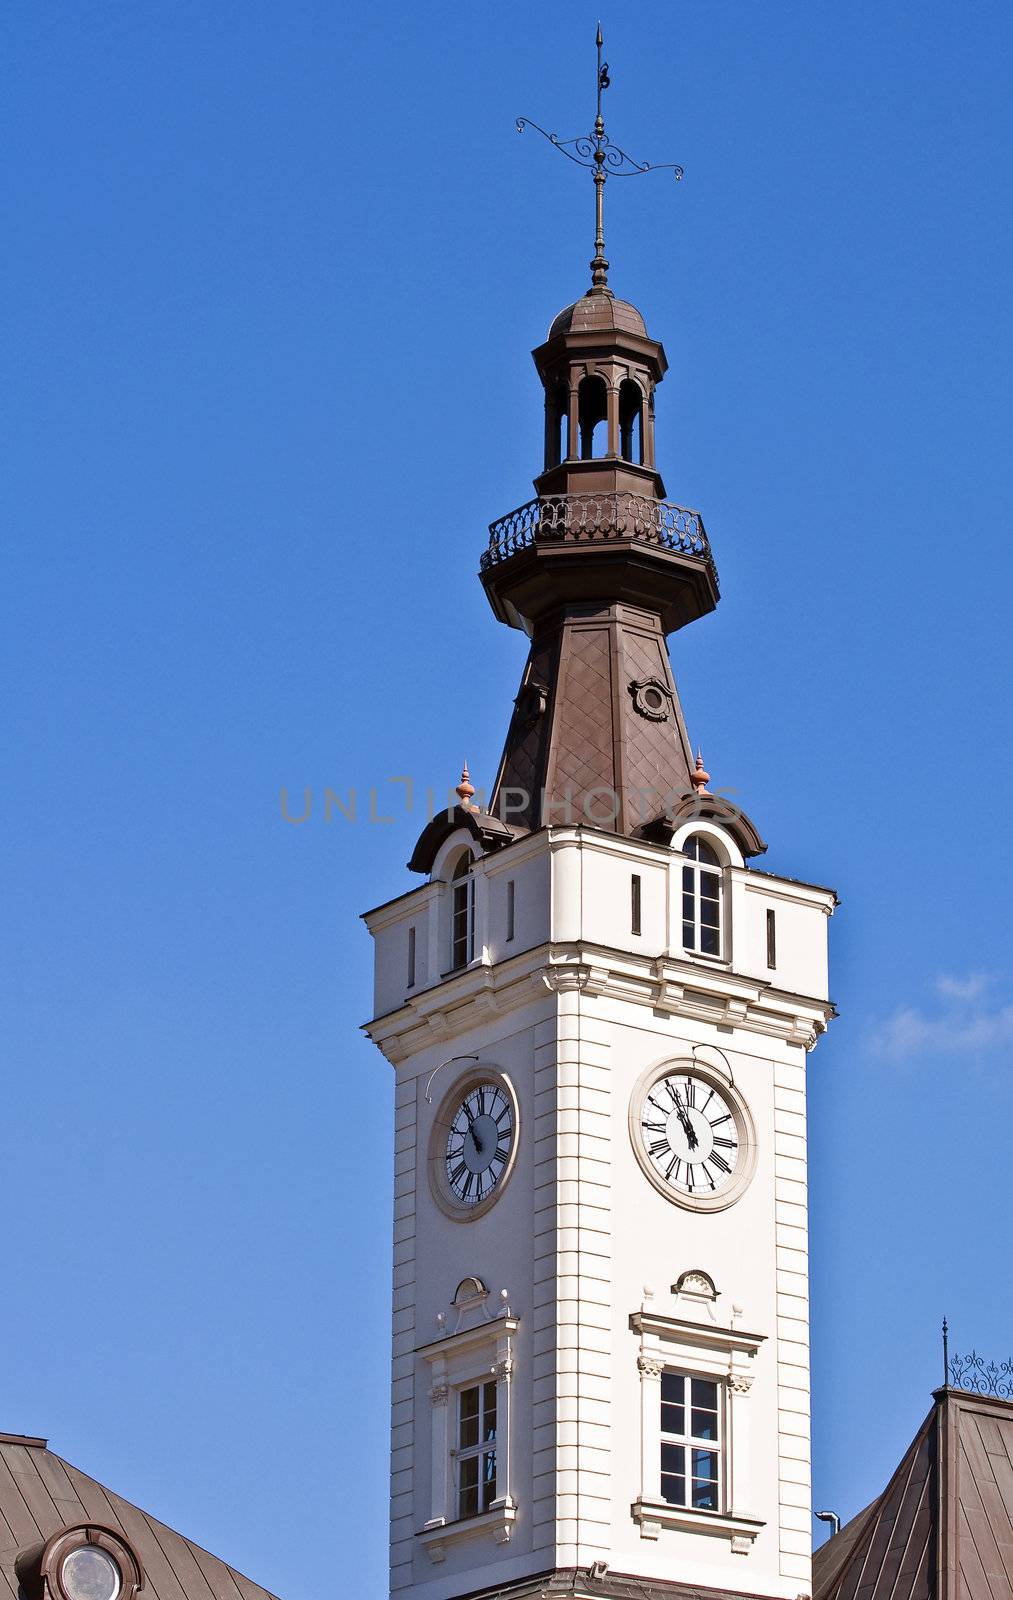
(599, 369)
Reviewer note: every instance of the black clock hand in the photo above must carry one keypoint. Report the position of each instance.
(687, 1126)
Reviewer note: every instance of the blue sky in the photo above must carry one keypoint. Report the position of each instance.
(271, 280)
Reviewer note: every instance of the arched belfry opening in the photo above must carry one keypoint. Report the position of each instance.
(631, 421)
(557, 423)
(592, 416)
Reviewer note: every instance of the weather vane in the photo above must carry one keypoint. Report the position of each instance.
(605, 159)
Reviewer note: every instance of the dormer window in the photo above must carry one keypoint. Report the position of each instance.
(701, 897)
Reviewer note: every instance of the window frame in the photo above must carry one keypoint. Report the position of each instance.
(694, 870)
(483, 1448)
(689, 1442)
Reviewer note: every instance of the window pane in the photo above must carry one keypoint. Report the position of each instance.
(709, 942)
(705, 1394)
(488, 1479)
(704, 1424)
(489, 1417)
(673, 1459)
(705, 1465)
(673, 1388)
(469, 1419)
(704, 852)
(673, 1419)
(673, 1489)
(687, 880)
(688, 936)
(467, 1498)
(705, 1496)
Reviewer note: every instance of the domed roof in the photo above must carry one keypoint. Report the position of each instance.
(595, 311)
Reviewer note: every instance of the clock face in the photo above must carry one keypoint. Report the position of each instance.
(690, 1135)
(479, 1143)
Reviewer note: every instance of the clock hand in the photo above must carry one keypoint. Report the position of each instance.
(687, 1126)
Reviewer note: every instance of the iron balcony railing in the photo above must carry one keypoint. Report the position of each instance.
(597, 517)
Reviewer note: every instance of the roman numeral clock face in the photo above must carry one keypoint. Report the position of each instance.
(692, 1136)
(479, 1143)
(473, 1144)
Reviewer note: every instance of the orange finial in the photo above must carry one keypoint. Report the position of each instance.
(465, 790)
(700, 779)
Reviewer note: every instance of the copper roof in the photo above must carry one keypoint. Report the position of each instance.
(943, 1527)
(40, 1494)
(594, 311)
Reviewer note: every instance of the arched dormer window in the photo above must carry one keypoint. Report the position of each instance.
(462, 912)
(701, 897)
(631, 421)
(592, 416)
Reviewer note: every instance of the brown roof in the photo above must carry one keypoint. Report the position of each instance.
(596, 310)
(943, 1527)
(40, 1494)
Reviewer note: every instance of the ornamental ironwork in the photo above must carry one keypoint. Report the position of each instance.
(594, 518)
(974, 1375)
(596, 151)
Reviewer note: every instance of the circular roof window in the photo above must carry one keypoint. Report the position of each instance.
(89, 1573)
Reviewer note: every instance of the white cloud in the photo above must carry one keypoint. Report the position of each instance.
(967, 1024)
(967, 988)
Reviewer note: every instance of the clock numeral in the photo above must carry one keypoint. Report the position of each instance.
(719, 1161)
(658, 1147)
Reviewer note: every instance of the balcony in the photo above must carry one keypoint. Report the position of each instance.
(598, 519)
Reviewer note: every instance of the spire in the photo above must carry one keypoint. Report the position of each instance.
(605, 159)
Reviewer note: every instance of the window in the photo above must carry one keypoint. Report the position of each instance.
(411, 957)
(635, 903)
(695, 1400)
(771, 940)
(462, 915)
(701, 897)
(690, 1442)
(510, 910)
(476, 1449)
(471, 1380)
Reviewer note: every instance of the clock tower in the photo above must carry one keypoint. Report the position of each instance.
(598, 1010)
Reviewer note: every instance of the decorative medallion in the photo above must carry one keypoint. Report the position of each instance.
(652, 698)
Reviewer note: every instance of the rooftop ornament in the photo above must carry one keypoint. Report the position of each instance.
(699, 778)
(972, 1374)
(605, 159)
(465, 790)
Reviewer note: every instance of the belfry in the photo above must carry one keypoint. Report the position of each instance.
(598, 1014)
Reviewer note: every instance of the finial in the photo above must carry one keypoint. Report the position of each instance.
(465, 790)
(605, 159)
(946, 1353)
(699, 778)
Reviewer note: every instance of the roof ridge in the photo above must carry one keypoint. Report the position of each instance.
(30, 1440)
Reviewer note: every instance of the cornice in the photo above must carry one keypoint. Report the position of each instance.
(668, 986)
